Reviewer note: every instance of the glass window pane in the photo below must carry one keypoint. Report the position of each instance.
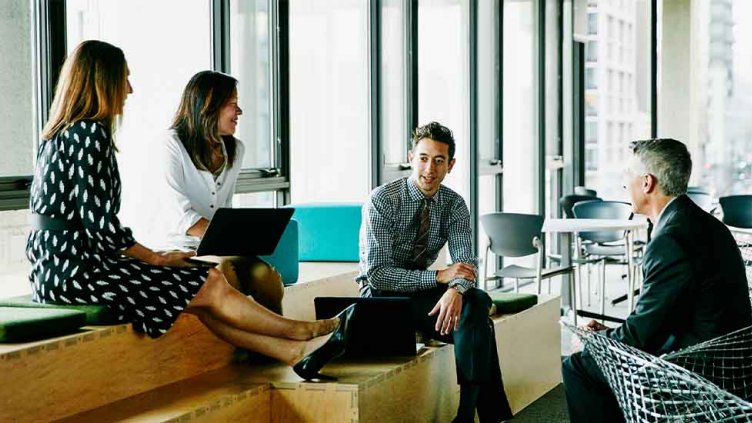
(394, 129)
(617, 110)
(14, 266)
(720, 129)
(18, 128)
(329, 102)
(250, 64)
(163, 53)
(487, 81)
(255, 199)
(443, 78)
(519, 145)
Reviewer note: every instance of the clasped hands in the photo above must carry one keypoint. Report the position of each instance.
(449, 306)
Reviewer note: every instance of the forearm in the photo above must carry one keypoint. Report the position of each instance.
(387, 278)
(199, 228)
(144, 254)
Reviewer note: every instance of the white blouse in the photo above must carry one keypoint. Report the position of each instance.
(186, 193)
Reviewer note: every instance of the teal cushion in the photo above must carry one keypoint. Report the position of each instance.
(508, 302)
(95, 314)
(328, 231)
(21, 324)
(285, 256)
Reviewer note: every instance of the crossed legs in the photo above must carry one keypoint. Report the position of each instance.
(243, 322)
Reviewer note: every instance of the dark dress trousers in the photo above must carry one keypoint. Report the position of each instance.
(694, 289)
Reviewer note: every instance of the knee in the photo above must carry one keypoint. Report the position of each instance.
(213, 291)
(476, 304)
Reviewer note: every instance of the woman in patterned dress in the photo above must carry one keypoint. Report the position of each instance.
(80, 254)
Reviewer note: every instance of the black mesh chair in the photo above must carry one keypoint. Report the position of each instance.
(517, 235)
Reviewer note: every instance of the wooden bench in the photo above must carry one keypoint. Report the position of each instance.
(111, 373)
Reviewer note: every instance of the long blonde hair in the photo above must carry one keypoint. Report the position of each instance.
(93, 85)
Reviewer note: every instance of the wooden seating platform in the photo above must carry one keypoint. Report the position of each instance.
(110, 373)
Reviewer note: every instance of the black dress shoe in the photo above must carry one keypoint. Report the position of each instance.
(308, 368)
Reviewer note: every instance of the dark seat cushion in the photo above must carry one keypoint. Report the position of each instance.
(22, 324)
(509, 302)
(95, 314)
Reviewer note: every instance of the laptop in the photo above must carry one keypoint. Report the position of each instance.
(246, 232)
(381, 327)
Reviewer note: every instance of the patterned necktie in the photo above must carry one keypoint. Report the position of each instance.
(421, 238)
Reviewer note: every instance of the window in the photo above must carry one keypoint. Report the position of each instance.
(625, 103)
(592, 20)
(250, 63)
(443, 84)
(395, 132)
(163, 54)
(590, 78)
(519, 149)
(329, 100)
(591, 51)
(18, 128)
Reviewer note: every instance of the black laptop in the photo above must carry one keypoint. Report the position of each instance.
(381, 327)
(246, 232)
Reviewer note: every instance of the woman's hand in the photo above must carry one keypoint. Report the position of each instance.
(175, 259)
(164, 258)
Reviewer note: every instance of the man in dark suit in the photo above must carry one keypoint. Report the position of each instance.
(694, 284)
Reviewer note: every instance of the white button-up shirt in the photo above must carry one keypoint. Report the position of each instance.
(187, 194)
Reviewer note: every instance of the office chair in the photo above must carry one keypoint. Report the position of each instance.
(517, 235)
(605, 247)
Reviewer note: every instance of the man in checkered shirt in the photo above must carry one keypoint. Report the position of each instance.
(405, 224)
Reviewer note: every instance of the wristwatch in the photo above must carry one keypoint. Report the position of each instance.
(459, 287)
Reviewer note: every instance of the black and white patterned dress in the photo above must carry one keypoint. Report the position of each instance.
(77, 179)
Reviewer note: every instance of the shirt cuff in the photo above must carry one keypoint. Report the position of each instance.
(428, 279)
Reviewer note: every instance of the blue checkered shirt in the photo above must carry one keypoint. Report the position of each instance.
(391, 219)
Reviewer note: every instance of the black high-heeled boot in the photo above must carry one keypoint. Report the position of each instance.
(308, 368)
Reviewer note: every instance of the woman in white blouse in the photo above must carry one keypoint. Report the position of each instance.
(199, 161)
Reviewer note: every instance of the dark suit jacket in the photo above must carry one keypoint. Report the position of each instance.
(694, 288)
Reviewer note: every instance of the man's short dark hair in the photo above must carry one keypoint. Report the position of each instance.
(668, 160)
(436, 132)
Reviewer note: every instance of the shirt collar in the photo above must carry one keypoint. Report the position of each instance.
(417, 195)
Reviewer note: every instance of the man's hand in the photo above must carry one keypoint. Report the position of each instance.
(594, 326)
(449, 308)
(456, 271)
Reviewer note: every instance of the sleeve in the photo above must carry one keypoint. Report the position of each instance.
(179, 212)
(459, 238)
(667, 273)
(95, 192)
(380, 267)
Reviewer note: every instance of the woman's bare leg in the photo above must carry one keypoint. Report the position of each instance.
(285, 350)
(255, 278)
(223, 302)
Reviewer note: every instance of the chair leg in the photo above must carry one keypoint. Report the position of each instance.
(516, 285)
(603, 291)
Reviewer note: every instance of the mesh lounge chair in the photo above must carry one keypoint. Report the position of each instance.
(653, 389)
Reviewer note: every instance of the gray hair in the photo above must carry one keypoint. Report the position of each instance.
(668, 160)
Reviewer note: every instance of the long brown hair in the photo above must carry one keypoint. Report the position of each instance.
(196, 121)
(93, 85)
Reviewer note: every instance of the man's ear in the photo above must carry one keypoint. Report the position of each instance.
(649, 183)
(410, 156)
(451, 165)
